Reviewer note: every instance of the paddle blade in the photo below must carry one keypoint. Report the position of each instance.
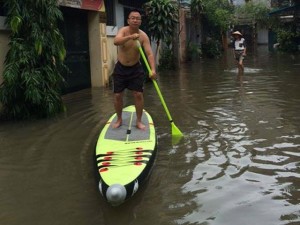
(176, 131)
(176, 139)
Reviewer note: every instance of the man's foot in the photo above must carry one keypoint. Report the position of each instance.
(117, 124)
(140, 126)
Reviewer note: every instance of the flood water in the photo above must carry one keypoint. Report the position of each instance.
(238, 163)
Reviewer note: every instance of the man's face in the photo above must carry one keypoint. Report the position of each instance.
(134, 19)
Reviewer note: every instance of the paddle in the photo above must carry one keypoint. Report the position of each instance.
(175, 130)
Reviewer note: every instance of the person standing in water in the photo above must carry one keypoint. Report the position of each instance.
(239, 49)
(128, 72)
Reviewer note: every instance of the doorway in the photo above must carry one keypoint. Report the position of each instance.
(74, 29)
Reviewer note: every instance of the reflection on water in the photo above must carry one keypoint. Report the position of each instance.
(237, 164)
(247, 70)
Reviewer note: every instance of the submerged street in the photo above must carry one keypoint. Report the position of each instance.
(238, 162)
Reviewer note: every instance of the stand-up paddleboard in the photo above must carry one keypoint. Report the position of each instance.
(125, 156)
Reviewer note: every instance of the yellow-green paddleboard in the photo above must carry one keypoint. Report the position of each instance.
(125, 156)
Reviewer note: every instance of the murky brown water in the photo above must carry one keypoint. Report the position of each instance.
(238, 164)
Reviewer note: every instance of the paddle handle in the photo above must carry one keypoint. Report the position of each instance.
(154, 82)
(144, 57)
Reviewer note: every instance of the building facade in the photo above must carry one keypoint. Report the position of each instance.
(84, 31)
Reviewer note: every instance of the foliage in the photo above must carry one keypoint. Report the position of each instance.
(218, 13)
(212, 48)
(287, 34)
(196, 9)
(166, 60)
(287, 39)
(216, 16)
(31, 78)
(194, 52)
(161, 19)
(257, 11)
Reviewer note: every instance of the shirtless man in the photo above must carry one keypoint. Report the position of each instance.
(128, 71)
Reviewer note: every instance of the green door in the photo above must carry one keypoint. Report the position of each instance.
(74, 28)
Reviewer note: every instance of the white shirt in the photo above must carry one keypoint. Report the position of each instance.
(239, 44)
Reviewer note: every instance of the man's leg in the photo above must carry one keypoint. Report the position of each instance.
(118, 103)
(241, 65)
(139, 106)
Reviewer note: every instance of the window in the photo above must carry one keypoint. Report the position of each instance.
(3, 13)
(133, 3)
(2, 9)
(110, 12)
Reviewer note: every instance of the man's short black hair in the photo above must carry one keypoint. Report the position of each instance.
(135, 10)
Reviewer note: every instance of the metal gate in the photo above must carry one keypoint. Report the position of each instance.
(74, 29)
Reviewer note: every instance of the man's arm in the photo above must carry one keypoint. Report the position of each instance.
(121, 39)
(150, 56)
(245, 47)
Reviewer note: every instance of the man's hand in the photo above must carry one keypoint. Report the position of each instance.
(135, 36)
(153, 75)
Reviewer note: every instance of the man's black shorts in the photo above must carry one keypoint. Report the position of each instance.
(130, 77)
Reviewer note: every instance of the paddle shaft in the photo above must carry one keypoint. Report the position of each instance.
(155, 83)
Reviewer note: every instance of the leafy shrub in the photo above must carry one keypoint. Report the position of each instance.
(211, 48)
(166, 60)
(287, 40)
(31, 79)
(194, 52)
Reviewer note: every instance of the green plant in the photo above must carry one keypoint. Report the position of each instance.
(193, 52)
(161, 19)
(196, 10)
(31, 78)
(211, 48)
(217, 17)
(166, 60)
(218, 13)
(287, 39)
(257, 11)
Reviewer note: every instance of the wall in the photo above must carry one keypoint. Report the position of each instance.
(112, 53)
(98, 50)
(111, 32)
(262, 36)
(119, 15)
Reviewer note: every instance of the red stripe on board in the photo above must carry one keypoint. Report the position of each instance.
(103, 170)
(107, 158)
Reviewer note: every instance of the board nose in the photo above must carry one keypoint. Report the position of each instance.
(116, 194)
